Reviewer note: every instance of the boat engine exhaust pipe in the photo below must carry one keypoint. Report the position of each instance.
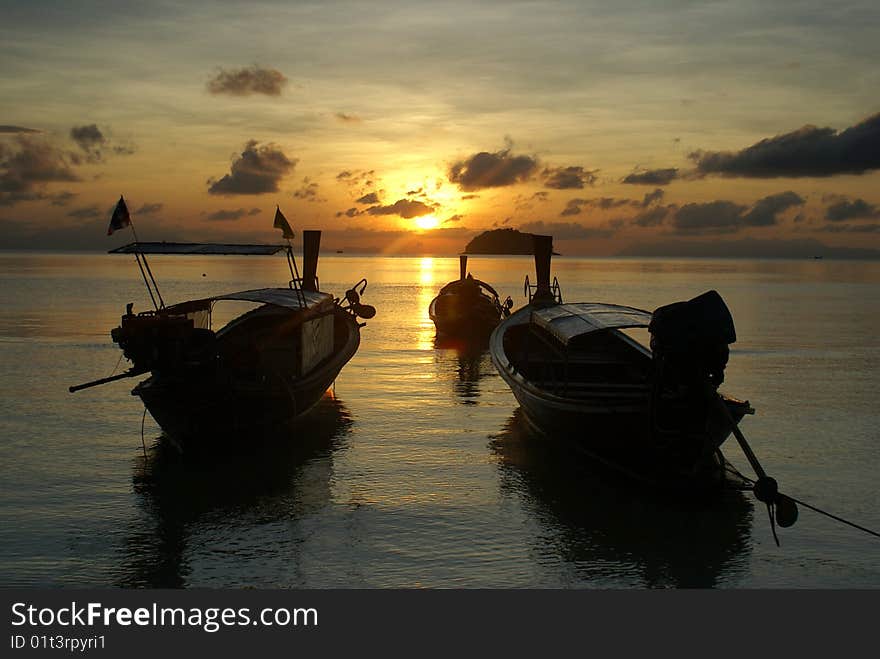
(543, 246)
(462, 263)
(311, 247)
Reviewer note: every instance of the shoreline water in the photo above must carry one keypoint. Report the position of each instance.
(420, 473)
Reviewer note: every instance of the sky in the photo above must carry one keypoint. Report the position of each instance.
(409, 127)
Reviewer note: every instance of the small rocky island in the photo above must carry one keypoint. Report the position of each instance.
(500, 241)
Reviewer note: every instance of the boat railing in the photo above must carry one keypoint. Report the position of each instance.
(530, 289)
(297, 282)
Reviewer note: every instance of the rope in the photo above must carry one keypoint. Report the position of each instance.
(118, 361)
(143, 443)
(735, 472)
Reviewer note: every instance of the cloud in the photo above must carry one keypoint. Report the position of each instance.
(86, 213)
(308, 191)
(247, 81)
(808, 151)
(149, 209)
(356, 177)
(523, 202)
(574, 206)
(87, 137)
(567, 230)
(94, 143)
(27, 166)
(852, 228)
(652, 217)
(351, 212)
(568, 178)
(748, 247)
(61, 198)
(405, 208)
(470, 196)
(259, 169)
(492, 170)
(652, 176)
(17, 129)
(348, 118)
(453, 218)
(711, 217)
(224, 215)
(652, 197)
(765, 211)
(371, 198)
(845, 209)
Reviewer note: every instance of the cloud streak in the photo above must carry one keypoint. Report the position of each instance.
(224, 215)
(652, 176)
(492, 170)
(29, 164)
(405, 208)
(843, 210)
(16, 129)
(728, 217)
(568, 178)
(567, 230)
(248, 81)
(806, 152)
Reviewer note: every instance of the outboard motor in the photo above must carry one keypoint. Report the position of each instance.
(689, 342)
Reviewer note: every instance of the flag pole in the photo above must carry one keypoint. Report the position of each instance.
(281, 223)
(139, 256)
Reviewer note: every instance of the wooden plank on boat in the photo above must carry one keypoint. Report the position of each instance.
(568, 321)
(281, 297)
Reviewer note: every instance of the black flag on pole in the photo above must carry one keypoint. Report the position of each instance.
(281, 223)
(121, 218)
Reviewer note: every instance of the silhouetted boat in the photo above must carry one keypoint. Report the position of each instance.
(264, 368)
(467, 307)
(655, 416)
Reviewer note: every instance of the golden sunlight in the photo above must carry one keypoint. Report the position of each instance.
(427, 222)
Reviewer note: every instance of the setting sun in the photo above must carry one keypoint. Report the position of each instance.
(427, 222)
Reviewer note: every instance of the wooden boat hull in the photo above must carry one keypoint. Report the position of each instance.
(615, 429)
(454, 316)
(205, 404)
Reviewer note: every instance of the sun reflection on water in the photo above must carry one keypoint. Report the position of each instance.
(427, 292)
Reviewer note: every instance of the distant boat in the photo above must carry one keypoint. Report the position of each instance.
(655, 416)
(264, 368)
(467, 307)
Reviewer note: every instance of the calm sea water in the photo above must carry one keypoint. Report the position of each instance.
(419, 471)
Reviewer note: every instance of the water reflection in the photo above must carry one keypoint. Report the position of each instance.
(280, 479)
(463, 363)
(607, 528)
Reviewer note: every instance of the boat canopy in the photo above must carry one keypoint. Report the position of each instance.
(280, 297)
(569, 321)
(197, 248)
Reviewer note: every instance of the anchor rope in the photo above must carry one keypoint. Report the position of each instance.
(729, 468)
(118, 362)
(143, 442)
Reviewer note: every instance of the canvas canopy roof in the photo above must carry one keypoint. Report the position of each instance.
(568, 321)
(281, 297)
(196, 248)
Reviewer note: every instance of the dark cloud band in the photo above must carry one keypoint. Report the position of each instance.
(808, 151)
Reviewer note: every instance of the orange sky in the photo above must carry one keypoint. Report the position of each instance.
(411, 127)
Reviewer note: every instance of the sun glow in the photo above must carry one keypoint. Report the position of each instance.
(427, 222)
